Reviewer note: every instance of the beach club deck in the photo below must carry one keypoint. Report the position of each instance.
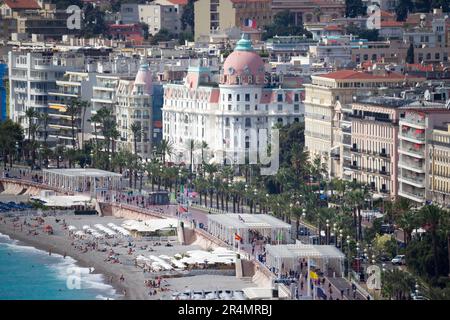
(82, 180)
(249, 226)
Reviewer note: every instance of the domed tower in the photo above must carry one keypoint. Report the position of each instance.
(143, 81)
(243, 66)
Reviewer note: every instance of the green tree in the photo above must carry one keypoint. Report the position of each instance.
(187, 17)
(355, 8)
(11, 137)
(410, 54)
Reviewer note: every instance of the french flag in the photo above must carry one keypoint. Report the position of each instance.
(182, 209)
(250, 23)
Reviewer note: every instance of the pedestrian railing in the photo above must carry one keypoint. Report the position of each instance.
(210, 210)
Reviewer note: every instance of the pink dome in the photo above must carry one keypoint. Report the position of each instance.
(144, 77)
(243, 63)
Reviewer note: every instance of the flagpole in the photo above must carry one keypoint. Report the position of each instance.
(309, 281)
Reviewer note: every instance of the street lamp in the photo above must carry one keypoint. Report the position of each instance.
(348, 259)
(327, 231)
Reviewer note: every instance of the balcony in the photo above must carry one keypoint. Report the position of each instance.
(384, 172)
(411, 167)
(414, 120)
(384, 155)
(415, 196)
(413, 137)
(417, 182)
(353, 149)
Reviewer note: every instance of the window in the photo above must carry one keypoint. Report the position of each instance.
(280, 98)
(296, 97)
(238, 97)
(229, 97)
(247, 97)
(296, 108)
(229, 107)
(247, 107)
(227, 122)
(248, 122)
(280, 107)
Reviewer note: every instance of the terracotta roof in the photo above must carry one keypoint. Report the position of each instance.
(387, 24)
(214, 97)
(179, 2)
(333, 28)
(22, 4)
(357, 75)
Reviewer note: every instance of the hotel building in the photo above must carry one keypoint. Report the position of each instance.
(326, 101)
(226, 115)
(374, 143)
(134, 105)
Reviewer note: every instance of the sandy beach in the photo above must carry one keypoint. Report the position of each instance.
(133, 286)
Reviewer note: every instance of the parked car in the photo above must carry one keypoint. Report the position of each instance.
(387, 229)
(399, 260)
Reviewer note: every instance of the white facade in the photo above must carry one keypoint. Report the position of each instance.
(156, 16)
(227, 116)
(32, 75)
(134, 105)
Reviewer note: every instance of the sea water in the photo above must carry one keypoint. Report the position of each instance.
(27, 273)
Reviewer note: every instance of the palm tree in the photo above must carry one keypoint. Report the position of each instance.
(210, 169)
(73, 110)
(31, 114)
(58, 154)
(203, 147)
(191, 146)
(96, 119)
(355, 200)
(408, 221)
(164, 148)
(431, 216)
(84, 105)
(137, 133)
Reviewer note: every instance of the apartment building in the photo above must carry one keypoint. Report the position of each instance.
(439, 160)
(326, 100)
(333, 50)
(374, 142)
(32, 75)
(222, 15)
(227, 115)
(307, 11)
(395, 51)
(3, 91)
(134, 106)
(156, 16)
(29, 17)
(73, 85)
(415, 134)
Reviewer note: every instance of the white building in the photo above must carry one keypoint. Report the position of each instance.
(74, 85)
(156, 16)
(32, 75)
(229, 115)
(134, 105)
(415, 133)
